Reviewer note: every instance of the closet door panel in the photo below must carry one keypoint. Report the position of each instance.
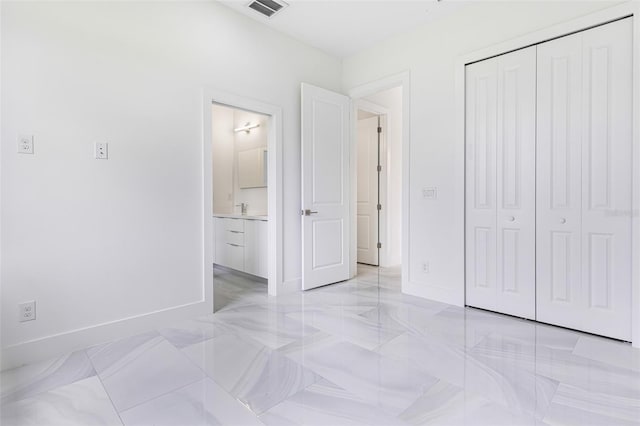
(559, 185)
(481, 113)
(516, 141)
(606, 179)
(584, 181)
(500, 184)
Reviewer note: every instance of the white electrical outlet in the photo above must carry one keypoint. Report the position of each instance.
(27, 311)
(430, 193)
(25, 144)
(102, 151)
(425, 267)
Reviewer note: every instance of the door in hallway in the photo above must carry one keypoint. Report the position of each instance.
(368, 159)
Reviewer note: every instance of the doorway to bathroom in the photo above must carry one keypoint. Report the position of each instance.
(242, 187)
(240, 203)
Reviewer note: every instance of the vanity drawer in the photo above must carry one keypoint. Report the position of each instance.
(233, 256)
(234, 237)
(234, 224)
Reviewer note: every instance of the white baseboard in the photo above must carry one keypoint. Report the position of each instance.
(60, 344)
(439, 294)
(290, 286)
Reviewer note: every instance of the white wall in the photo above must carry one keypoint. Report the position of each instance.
(436, 227)
(391, 99)
(95, 242)
(226, 144)
(256, 198)
(223, 150)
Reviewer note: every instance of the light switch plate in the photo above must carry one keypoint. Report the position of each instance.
(25, 144)
(430, 193)
(102, 151)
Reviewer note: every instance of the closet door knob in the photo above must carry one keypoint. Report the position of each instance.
(563, 220)
(511, 219)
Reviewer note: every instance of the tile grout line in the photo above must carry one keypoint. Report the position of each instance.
(136, 356)
(60, 362)
(207, 376)
(162, 395)
(103, 387)
(151, 399)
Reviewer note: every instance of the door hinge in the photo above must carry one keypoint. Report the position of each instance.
(379, 168)
(379, 206)
(379, 245)
(379, 129)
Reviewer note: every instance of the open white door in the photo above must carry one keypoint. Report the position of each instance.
(367, 217)
(325, 186)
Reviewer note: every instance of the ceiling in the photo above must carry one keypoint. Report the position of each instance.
(342, 28)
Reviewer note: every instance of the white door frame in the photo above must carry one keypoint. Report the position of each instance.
(357, 93)
(594, 19)
(383, 113)
(274, 188)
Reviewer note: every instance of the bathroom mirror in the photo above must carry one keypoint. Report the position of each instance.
(252, 168)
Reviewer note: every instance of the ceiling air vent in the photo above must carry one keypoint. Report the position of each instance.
(267, 8)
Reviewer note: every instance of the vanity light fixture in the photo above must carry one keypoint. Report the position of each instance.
(246, 128)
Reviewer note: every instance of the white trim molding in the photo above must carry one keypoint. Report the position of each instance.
(291, 286)
(69, 341)
(624, 10)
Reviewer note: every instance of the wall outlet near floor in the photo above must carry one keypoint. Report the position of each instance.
(425, 267)
(25, 144)
(27, 311)
(102, 151)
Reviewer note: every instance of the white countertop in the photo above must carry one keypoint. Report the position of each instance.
(242, 216)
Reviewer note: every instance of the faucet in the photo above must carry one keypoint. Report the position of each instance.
(243, 208)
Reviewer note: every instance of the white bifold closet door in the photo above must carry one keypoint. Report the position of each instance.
(584, 160)
(500, 183)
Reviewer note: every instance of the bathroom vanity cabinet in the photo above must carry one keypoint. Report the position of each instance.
(240, 243)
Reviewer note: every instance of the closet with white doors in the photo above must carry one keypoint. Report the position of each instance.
(548, 181)
(500, 182)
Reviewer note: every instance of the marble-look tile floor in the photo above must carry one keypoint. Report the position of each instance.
(353, 353)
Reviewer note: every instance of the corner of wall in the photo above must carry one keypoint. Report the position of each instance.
(439, 294)
(290, 286)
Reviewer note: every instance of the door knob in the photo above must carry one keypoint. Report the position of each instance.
(511, 219)
(308, 212)
(563, 220)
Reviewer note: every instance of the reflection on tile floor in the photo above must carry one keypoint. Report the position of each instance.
(353, 353)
